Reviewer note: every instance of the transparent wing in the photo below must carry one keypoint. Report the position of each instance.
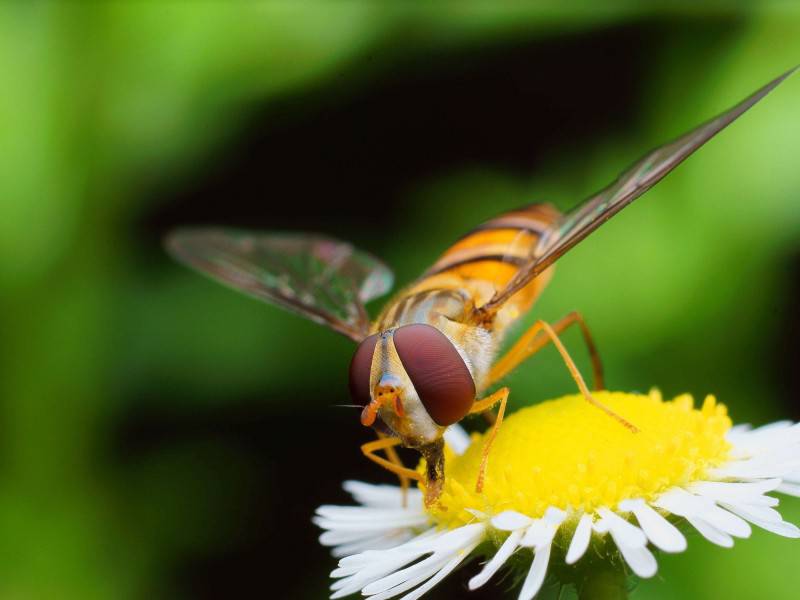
(323, 279)
(632, 183)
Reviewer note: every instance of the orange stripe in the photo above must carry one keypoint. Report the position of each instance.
(497, 272)
(506, 236)
(503, 245)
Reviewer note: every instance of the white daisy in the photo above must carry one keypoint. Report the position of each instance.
(564, 480)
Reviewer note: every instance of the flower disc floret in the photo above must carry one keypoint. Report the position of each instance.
(569, 455)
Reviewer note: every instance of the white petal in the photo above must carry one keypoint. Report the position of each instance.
(332, 538)
(369, 567)
(640, 559)
(754, 513)
(766, 518)
(350, 585)
(791, 489)
(623, 532)
(539, 534)
(536, 535)
(419, 571)
(780, 464)
(538, 570)
(632, 543)
(763, 439)
(438, 577)
(433, 574)
(336, 517)
(375, 571)
(382, 543)
(382, 495)
(344, 593)
(459, 538)
(737, 431)
(379, 563)
(712, 519)
(368, 526)
(768, 438)
(361, 513)
(680, 502)
(457, 438)
(497, 561)
(600, 526)
(726, 522)
(663, 534)
(510, 520)
(424, 543)
(580, 540)
(783, 528)
(719, 490)
(554, 515)
(711, 533)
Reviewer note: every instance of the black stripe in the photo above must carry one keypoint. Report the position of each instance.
(489, 226)
(502, 258)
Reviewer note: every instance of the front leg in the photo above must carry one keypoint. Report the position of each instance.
(501, 397)
(385, 443)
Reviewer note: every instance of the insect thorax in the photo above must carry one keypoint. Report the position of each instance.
(447, 310)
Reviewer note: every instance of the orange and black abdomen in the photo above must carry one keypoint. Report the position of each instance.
(491, 254)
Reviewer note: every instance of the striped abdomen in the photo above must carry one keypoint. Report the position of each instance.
(479, 264)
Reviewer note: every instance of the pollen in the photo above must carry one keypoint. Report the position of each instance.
(568, 454)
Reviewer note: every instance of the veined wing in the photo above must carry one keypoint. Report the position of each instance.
(320, 278)
(632, 183)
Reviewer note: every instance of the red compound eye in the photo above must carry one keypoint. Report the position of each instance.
(359, 370)
(442, 380)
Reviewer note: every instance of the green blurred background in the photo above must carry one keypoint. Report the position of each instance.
(164, 437)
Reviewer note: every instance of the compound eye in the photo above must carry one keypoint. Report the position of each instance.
(360, 368)
(439, 374)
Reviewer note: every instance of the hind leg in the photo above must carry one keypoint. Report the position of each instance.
(534, 340)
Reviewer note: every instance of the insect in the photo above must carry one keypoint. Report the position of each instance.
(427, 360)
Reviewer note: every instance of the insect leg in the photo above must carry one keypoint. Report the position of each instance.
(370, 448)
(484, 404)
(510, 360)
(487, 403)
(576, 375)
(393, 457)
(535, 339)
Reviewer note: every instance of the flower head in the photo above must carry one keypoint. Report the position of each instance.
(567, 481)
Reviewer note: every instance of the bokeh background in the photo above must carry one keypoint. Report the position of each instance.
(162, 437)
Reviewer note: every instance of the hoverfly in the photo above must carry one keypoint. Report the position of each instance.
(432, 352)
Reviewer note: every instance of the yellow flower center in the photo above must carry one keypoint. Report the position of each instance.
(568, 454)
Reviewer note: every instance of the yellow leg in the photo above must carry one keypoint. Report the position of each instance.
(487, 403)
(393, 457)
(480, 406)
(370, 448)
(519, 353)
(535, 339)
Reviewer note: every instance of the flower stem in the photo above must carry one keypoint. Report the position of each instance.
(604, 581)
